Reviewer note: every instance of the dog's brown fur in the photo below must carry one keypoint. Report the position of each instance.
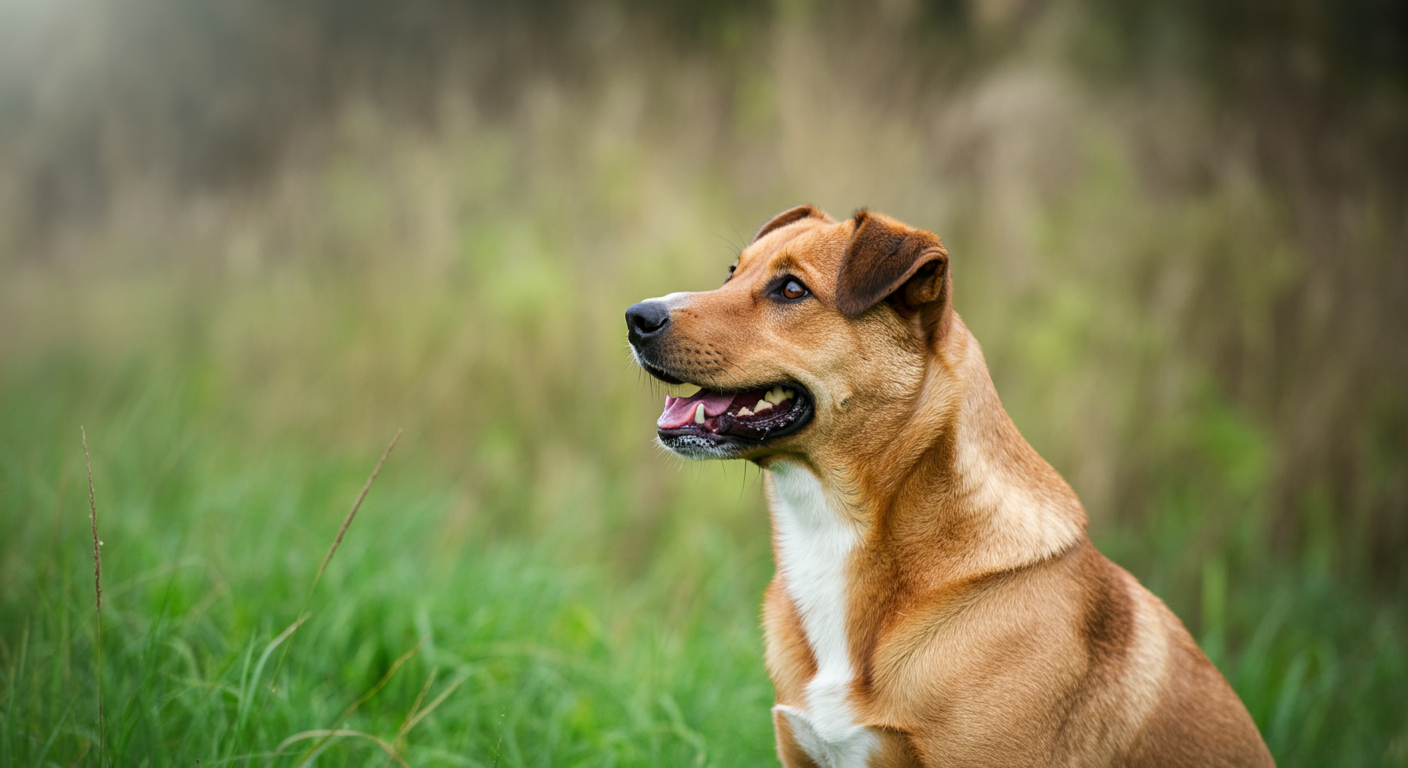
(981, 625)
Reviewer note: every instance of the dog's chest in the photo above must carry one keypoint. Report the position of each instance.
(814, 546)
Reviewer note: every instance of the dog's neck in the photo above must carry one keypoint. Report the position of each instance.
(962, 471)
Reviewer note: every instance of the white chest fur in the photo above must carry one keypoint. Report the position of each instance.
(814, 546)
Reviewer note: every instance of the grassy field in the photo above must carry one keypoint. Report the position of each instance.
(529, 580)
(553, 606)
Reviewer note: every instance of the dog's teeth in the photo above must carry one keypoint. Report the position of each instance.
(788, 394)
(762, 405)
(771, 396)
(699, 414)
(744, 411)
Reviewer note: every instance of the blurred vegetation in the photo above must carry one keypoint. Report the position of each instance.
(243, 243)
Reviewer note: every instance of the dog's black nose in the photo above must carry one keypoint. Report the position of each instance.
(646, 319)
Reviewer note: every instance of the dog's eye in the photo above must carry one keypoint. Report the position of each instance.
(793, 290)
(731, 269)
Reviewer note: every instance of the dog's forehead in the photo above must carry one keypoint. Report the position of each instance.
(811, 249)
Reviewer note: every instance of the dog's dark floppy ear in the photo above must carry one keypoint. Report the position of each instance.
(789, 216)
(889, 261)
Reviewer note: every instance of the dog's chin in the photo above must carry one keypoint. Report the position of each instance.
(734, 424)
(701, 448)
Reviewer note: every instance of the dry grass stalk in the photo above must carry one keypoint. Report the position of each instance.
(97, 587)
(327, 734)
(346, 523)
(416, 714)
(346, 713)
(353, 512)
(400, 741)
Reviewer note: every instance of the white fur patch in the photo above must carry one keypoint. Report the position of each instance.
(814, 546)
(671, 300)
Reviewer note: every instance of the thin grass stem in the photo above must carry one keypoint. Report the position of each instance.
(346, 523)
(97, 590)
(346, 713)
(328, 734)
(353, 512)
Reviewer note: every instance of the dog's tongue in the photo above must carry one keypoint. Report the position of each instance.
(679, 411)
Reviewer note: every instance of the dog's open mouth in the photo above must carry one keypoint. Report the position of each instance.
(752, 415)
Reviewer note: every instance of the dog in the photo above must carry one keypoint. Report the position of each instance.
(936, 601)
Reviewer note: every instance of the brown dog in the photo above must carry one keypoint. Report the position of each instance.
(937, 602)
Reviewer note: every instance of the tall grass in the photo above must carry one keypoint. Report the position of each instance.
(97, 592)
(546, 660)
(533, 583)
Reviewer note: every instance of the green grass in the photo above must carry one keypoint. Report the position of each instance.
(561, 592)
(545, 657)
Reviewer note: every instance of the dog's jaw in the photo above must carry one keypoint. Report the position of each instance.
(726, 418)
(698, 448)
(723, 425)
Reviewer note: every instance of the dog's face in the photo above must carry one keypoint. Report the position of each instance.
(821, 327)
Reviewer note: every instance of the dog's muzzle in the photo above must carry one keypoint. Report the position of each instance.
(712, 423)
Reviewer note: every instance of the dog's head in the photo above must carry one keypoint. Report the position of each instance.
(823, 331)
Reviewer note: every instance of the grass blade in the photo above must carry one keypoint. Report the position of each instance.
(328, 734)
(346, 713)
(346, 523)
(97, 589)
(353, 512)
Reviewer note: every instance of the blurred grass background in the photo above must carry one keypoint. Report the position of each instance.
(243, 243)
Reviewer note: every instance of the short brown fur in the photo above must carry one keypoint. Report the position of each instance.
(982, 626)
